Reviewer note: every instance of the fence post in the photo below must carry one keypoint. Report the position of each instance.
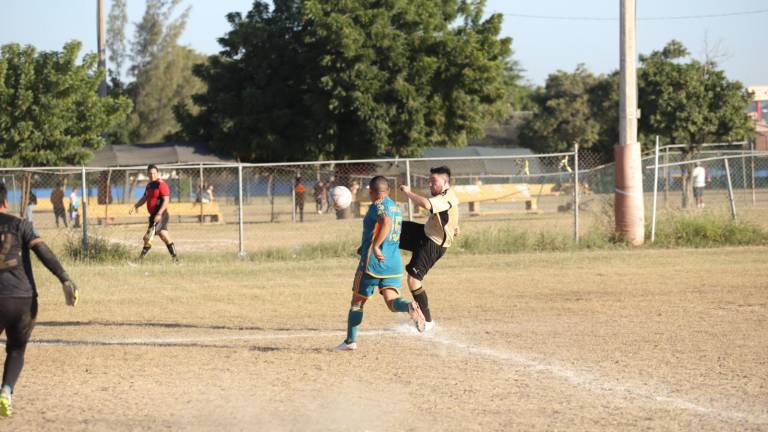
(293, 201)
(408, 183)
(744, 173)
(666, 175)
(200, 194)
(752, 148)
(15, 191)
(576, 193)
(241, 253)
(730, 189)
(84, 204)
(655, 189)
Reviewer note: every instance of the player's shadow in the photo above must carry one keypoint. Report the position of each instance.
(168, 325)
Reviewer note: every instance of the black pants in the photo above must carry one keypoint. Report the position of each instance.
(60, 212)
(17, 319)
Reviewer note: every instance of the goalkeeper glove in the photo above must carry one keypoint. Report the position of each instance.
(71, 293)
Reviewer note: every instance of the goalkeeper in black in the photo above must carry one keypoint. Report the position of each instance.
(18, 293)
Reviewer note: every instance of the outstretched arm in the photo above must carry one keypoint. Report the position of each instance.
(49, 260)
(416, 198)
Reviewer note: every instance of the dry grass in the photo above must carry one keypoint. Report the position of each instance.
(620, 340)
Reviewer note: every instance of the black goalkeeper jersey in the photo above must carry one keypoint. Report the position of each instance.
(16, 239)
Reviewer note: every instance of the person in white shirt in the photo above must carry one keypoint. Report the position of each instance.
(699, 177)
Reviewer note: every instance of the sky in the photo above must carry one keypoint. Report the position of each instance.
(589, 32)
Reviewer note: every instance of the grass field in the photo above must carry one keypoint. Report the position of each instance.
(601, 340)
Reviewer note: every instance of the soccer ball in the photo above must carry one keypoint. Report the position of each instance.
(341, 197)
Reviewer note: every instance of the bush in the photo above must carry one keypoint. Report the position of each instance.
(100, 250)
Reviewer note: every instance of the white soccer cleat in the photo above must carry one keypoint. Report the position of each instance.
(429, 326)
(417, 316)
(346, 346)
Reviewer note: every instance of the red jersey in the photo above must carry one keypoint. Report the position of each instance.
(156, 192)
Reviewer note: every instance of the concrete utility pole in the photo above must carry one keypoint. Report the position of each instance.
(101, 37)
(630, 217)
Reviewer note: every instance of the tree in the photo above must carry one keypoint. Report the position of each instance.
(690, 103)
(160, 67)
(51, 114)
(313, 79)
(50, 111)
(565, 113)
(165, 82)
(682, 102)
(116, 21)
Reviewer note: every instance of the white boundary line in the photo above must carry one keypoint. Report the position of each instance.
(595, 384)
(592, 383)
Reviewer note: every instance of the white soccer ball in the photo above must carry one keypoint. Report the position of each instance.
(341, 197)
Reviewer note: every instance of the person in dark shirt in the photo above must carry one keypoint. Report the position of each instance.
(18, 292)
(57, 199)
(157, 196)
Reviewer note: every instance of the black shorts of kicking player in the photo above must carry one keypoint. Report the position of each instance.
(425, 252)
(163, 225)
(17, 319)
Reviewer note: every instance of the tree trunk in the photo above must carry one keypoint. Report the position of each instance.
(26, 188)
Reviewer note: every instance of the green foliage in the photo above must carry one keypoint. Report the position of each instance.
(567, 112)
(313, 79)
(50, 112)
(116, 46)
(691, 102)
(706, 230)
(100, 250)
(161, 68)
(682, 102)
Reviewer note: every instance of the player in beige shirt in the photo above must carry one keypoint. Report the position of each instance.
(429, 242)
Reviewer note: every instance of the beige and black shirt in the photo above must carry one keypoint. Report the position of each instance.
(443, 218)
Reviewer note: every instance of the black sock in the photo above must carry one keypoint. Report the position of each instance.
(421, 298)
(171, 249)
(144, 251)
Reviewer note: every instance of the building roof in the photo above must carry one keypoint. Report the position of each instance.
(163, 153)
(477, 167)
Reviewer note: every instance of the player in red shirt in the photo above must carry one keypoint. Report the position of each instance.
(157, 196)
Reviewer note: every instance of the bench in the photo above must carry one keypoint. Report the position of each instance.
(201, 212)
(473, 195)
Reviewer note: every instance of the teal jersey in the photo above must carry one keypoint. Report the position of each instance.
(393, 263)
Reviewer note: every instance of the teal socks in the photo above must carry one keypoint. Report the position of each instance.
(400, 304)
(354, 319)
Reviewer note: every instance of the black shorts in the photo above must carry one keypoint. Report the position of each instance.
(698, 192)
(426, 253)
(163, 226)
(17, 319)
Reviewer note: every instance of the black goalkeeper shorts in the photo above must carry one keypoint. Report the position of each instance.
(17, 319)
(163, 225)
(426, 253)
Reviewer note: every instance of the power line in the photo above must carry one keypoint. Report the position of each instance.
(660, 18)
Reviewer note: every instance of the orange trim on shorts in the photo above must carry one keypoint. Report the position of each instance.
(381, 290)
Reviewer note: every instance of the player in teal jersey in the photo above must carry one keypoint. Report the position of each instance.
(380, 263)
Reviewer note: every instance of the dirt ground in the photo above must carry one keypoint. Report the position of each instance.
(614, 340)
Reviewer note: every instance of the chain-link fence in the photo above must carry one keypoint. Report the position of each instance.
(229, 207)
(226, 206)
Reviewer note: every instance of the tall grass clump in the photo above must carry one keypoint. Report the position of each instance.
(99, 250)
(706, 230)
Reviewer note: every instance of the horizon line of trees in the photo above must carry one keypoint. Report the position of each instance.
(311, 79)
